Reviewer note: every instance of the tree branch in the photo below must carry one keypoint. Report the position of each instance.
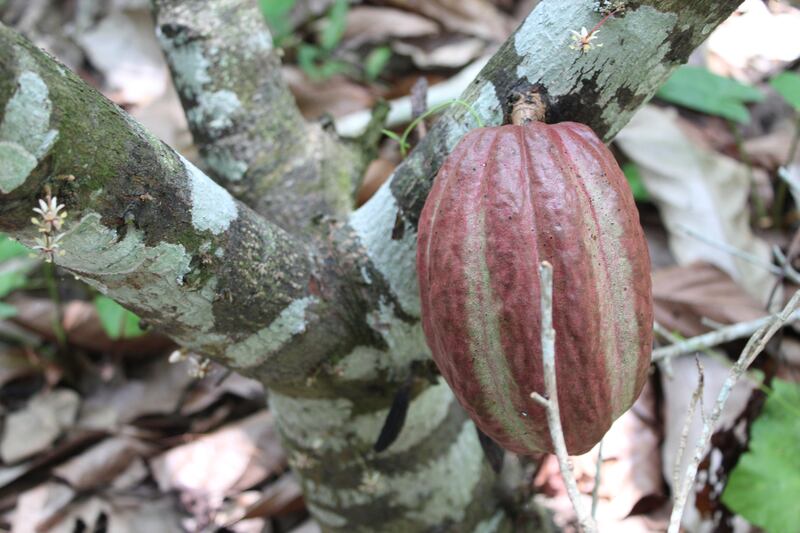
(149, 229)
(244, 119)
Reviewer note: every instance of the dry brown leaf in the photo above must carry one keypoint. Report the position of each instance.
(122, 515)
(305, 10)
(380, 24)
(10, 474)
(683, 295)
(789, 353)
(631, 471)
(251, 525)
(101, 464)
(771, 150)
(15, 478)
(41, 507)
(135, 473)
(231, 459)
(309, 526)
(523, 9)
(697, 189)
(337, 96)
(630, 477)
(281, 497)
(164, 118)
(36, 426)
(212, 420)
(124, 48)
(208, 391)
(377, 172)
(158, 392)
(17, 334)
(449, 52)
(82, 327)
(756, 42)
(470, 17)
(233, 517)
(15, 363)
(657, 238)
(35, 314)
(233, 509)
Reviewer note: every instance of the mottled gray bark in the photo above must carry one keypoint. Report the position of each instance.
(244, 119)
(149, 229)
(329, 323)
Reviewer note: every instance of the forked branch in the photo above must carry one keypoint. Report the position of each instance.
(753, 348)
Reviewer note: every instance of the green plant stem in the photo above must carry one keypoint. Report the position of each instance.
(403, 140)
(52, 290)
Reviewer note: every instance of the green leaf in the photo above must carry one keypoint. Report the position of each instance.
(14, 265)
(634, 178)
(306, 59)
(11, 281)
(7, 310)
(698, 89)
(334, 26)
(276, 13)
(13, 278)
(118, 322)
(788, 85)
(331, 68)
(392, 135)
(10, 248)
(376, 61)
(765, 484)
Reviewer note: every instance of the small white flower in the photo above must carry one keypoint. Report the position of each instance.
(178, 356)
(371, 482)
(582, 40)
(200, 368)
(52, 216)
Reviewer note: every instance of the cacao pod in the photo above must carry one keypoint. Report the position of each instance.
(506, 199)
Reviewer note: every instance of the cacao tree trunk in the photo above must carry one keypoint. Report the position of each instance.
(268, 270)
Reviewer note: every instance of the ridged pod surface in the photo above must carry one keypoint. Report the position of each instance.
(507, 198)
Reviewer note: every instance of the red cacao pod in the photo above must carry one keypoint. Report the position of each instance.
(506, 199)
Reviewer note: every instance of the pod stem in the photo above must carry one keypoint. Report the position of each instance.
(528, 107)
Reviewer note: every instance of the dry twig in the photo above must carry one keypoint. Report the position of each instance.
(597, 474)
(697, 397)
(754, 346)
(720, 336)
(785, 270)
(550, 403)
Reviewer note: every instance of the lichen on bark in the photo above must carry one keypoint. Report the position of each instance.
(250, 133)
